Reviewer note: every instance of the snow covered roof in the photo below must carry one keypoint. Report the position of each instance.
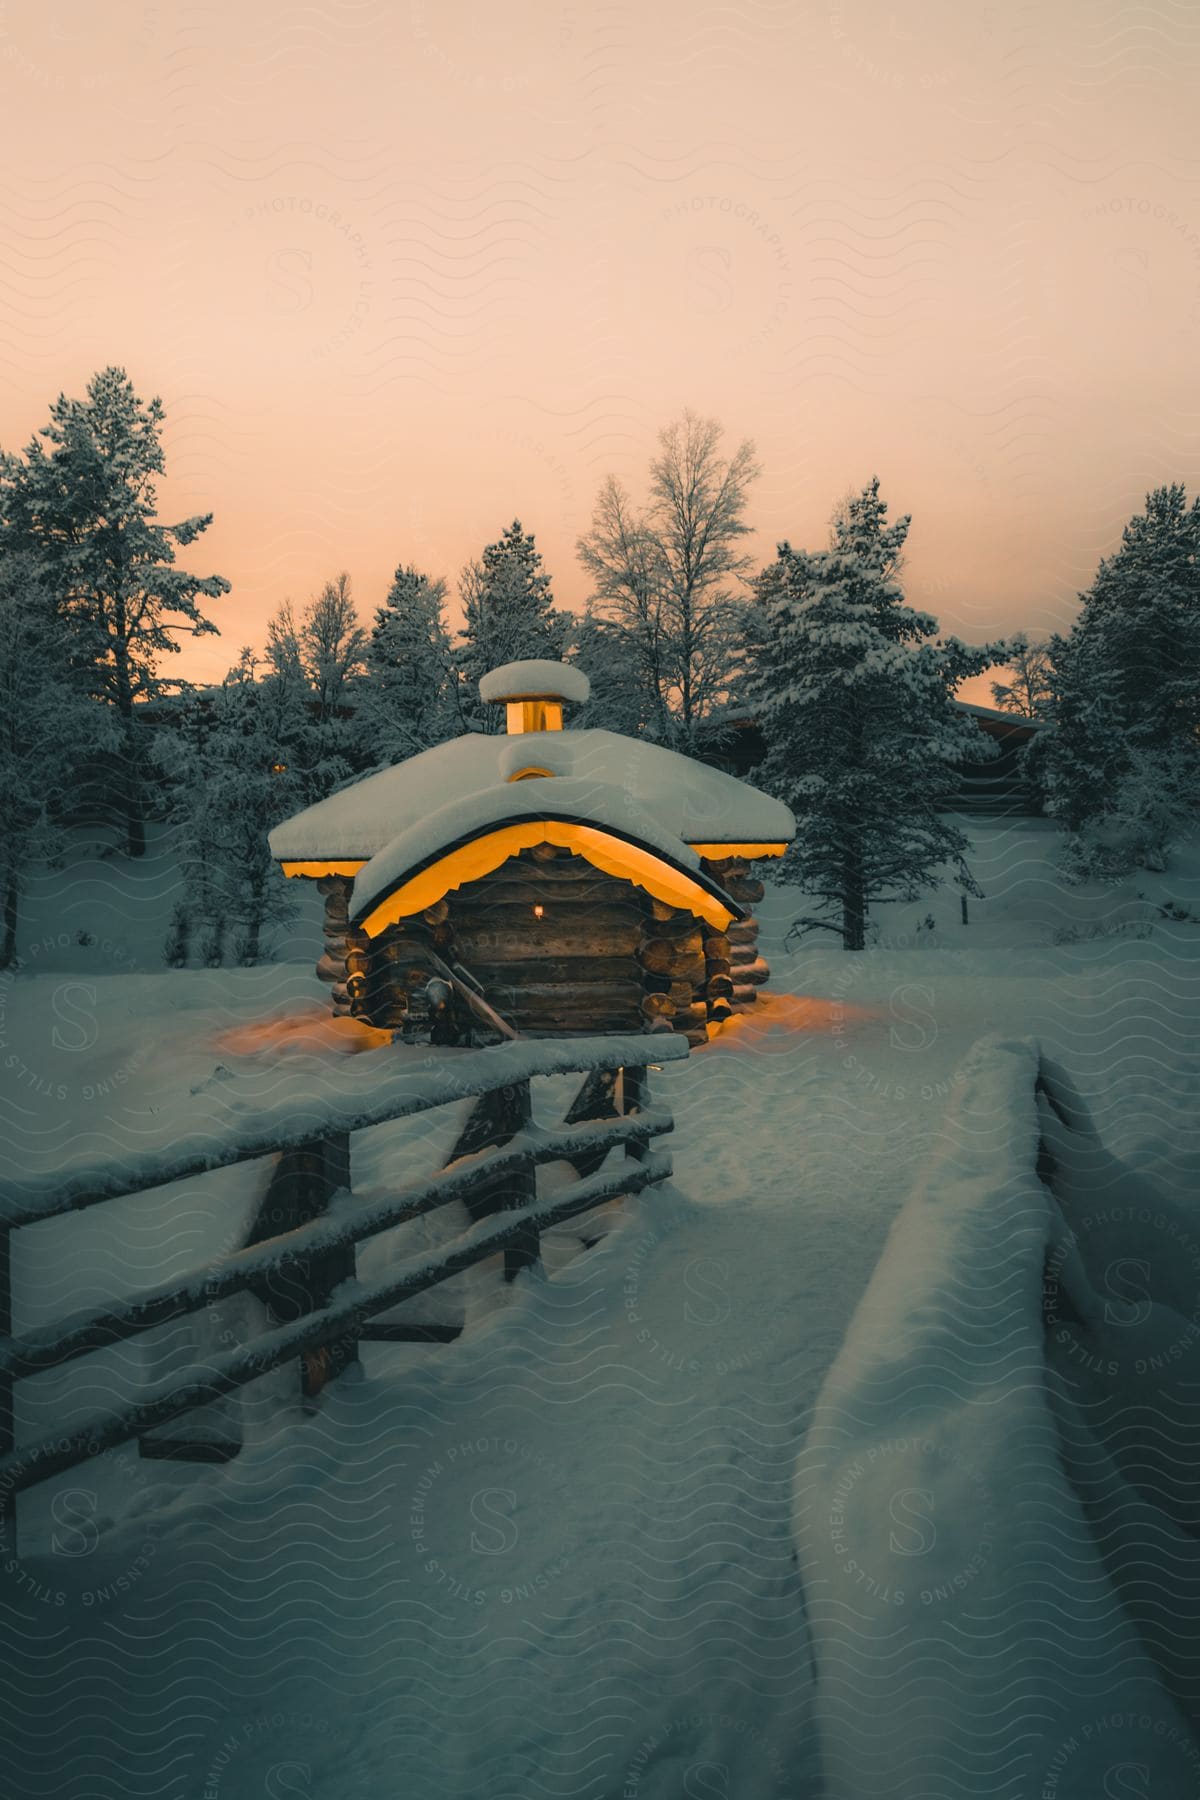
(994, 715)
(536, 678)
(685, 800)
(593, 815)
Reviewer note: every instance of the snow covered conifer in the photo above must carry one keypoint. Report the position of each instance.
(408, 699)
(48, 728)
(856, 705)
(1125, 702)
(233, 784)
(509, 616)
(315, 665)
(86, 509)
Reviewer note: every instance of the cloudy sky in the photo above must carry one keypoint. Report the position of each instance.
(403, 269)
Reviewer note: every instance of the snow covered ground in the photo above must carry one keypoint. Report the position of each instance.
(559, 1556)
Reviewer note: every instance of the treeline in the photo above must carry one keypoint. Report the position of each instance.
(852, 687)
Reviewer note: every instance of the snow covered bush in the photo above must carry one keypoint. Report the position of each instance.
(1150, 805)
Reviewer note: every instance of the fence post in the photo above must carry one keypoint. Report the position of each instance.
(301, 1187)
(496, 1118)
(598, 1098)
(634, 1093)
(521, 1190)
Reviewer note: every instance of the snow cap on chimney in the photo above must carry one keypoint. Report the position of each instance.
(534, 692)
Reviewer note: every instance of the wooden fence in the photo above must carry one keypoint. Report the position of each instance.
(302, 1245)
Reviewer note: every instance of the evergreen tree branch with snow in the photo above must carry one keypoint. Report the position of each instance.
(82, 501)
(863, 739)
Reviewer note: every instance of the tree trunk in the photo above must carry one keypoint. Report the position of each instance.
(135, 825)
(131, 796)
(854, 902)
(8, 954)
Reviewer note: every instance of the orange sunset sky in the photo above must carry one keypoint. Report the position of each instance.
(403, 271)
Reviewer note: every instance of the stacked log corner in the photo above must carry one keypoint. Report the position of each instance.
(738, 984)
(335, 890)
(399, 969)
(670, 954)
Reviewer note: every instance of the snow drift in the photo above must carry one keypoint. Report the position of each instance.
(998, 1577)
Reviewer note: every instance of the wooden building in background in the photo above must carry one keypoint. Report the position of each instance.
(554, 881)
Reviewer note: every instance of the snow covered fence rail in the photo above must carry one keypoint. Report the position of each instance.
(492, 1169)
(1000, 1601)
(227, 1127)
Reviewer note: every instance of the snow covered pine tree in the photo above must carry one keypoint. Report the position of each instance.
(510, 617)
(87, 511)
(408, 701)
(317, 666)
(1122, 765)
(855, 704)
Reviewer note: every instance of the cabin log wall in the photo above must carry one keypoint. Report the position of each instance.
(603, 956)
(570, 970)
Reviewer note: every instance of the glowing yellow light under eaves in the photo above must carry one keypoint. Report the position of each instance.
(316, 869)
(718, 852)
(612, 855)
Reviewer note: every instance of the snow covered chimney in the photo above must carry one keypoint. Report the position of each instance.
(534, 692)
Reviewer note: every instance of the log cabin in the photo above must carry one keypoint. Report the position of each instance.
(540, 881)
